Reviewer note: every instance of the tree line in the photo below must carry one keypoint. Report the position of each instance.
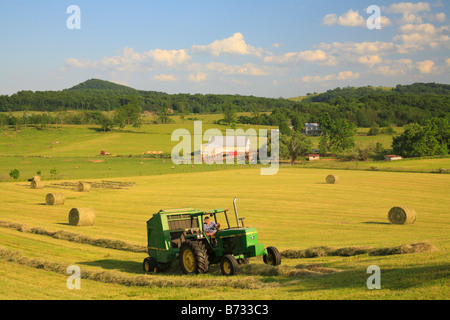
(364, 106)
(129, 114)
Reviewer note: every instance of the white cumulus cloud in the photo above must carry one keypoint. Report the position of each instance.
(402, 7)
(165, 77)
(343, 75)
(198, 77)
(315, 56)
(234, 45)
(426, 66)
(349, 19)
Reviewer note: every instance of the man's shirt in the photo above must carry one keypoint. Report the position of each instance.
(209, 228)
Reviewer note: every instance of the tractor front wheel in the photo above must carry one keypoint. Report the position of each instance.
(229, 265)
(273, 257)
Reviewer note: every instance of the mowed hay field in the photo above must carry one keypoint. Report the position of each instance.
(292, 210)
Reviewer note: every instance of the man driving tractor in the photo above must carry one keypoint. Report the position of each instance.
(210, 227)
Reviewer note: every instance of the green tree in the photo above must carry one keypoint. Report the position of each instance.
(15, 173)
(3, 121)
(182, 110)
(284, 127)
(15, 122)
(417, 141)
(121, 117)
(296, 145)
(374, 130)
(440, 128)
(297, 122)
(60, 117)
(163, 111)
(229, 114)
(54, 172)
(106, 122)
(337, 135)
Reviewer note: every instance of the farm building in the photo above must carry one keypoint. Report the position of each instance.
(392, 157)
(312, 129)
(228, 145)
(313, 156)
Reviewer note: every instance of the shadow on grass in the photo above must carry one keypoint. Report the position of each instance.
(131, 267)
(374, 222)
(134, 267)
(115, 131)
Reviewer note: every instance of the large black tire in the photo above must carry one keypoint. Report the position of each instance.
(229, 265)
(273, 257)
(194, 257)
(150, 265)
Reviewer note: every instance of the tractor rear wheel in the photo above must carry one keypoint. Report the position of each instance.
(273, 256)
(229, 265)
(150, 265)
(194, 257)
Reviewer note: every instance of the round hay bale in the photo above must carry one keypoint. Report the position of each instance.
(330, 179)
(82, 217)
(402, 215)
(37, 185)
(83, 186)
(53, 199)
(36, 178)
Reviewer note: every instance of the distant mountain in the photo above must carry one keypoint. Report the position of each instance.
(97, 84)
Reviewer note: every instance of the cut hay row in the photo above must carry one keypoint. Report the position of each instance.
(354, 251)
(95, 185)
(286, 271)
(264, 270)
(122, 279)
(74, 237)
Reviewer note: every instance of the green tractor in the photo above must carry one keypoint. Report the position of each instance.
(179, 234)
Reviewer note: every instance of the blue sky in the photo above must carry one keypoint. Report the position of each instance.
(262, 48)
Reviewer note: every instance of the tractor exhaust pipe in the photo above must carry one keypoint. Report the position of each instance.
(236, 212)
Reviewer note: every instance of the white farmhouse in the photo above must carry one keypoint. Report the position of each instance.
(226, 145)
(312, 129)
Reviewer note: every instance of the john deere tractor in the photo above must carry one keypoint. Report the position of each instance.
(178, 234)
